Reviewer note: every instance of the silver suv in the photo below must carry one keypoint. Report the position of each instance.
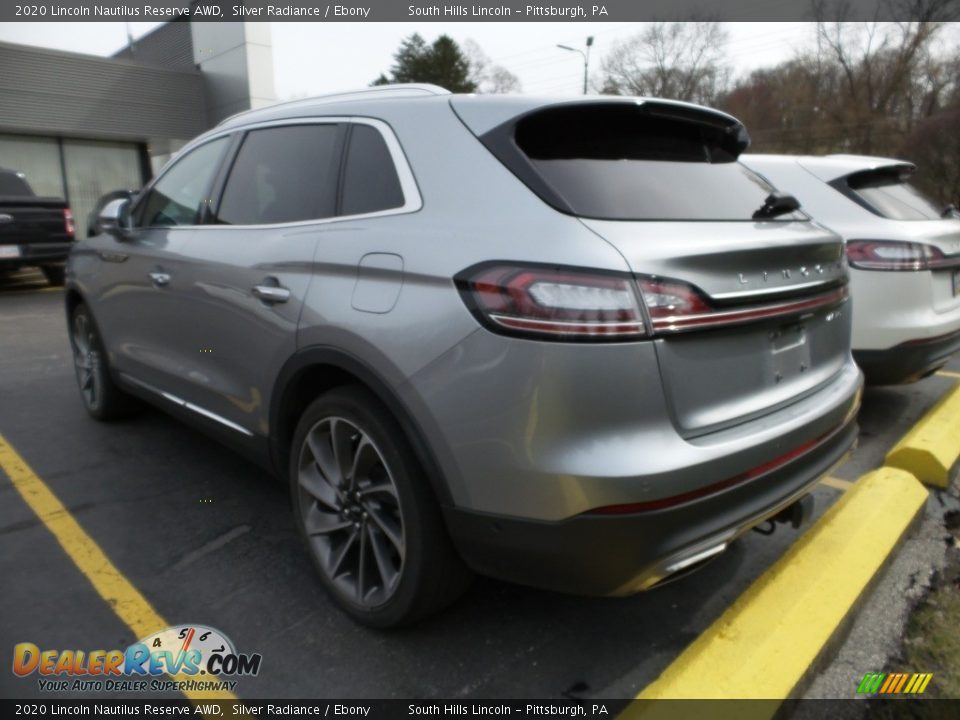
(567, 343)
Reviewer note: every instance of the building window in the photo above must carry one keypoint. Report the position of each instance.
(80, 171)
(38, 158)
(94, 168)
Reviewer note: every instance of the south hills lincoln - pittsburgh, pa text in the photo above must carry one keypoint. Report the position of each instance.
(542, 11)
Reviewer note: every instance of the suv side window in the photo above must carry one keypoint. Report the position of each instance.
(176, 198)
(283, 174)
(370, 182)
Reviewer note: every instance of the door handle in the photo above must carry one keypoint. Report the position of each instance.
(159, 279)
(271, 293)
(110, 256)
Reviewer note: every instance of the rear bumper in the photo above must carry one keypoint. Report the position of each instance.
(42, 253)
(892, 309)
(908, 361)
(623, 554)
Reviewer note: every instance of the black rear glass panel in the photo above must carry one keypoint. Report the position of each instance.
(370, 182)
(13, 184)
(619, 162)
(889, 194)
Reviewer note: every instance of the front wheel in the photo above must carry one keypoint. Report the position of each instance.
(368, 516)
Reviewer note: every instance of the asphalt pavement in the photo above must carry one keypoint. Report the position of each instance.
(208, 538)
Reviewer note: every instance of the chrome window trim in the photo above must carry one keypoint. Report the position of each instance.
(413, 201)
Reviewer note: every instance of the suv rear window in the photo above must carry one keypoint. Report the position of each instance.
(624, 162)
(888, 193)
(12, 184)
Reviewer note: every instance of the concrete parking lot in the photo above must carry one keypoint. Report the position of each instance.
(207, 538)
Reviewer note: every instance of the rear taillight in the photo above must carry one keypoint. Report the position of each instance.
(892, 255)
(546, 302)
(678, 307)
(68, 224)
(573, 304)
(672, 304)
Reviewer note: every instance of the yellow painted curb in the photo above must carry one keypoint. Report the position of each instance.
(765, 643)
(932, 446)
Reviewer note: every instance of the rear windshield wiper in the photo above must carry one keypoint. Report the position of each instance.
(777, 203)
(950, 211)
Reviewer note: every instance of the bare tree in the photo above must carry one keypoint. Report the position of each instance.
(678, 60)
(934, 145)
(783, 107)
(875, 72)
(488, 77)
(882, 88)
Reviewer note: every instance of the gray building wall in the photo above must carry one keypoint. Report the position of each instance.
(236, 59)
(62, 93)
(81, 125)
(169, 45)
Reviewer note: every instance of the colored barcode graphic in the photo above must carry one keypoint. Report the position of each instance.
(894, 683)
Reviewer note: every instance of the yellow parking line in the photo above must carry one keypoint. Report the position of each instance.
(949, 374)
(836, 483)
(28, 291)
(118, 592)
(765, 643)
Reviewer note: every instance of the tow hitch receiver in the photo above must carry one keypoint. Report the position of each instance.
(797, 514)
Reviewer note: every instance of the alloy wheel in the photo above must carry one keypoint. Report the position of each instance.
(86, 359)
(351, 513)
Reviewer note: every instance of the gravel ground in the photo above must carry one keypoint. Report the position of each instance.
(876, 634)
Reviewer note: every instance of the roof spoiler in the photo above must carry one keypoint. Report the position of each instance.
(883, 174)
(485, 114)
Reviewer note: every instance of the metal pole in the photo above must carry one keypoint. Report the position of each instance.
(586, 63)
(586, 59)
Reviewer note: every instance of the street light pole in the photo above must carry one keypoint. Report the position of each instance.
(586, 59)
(586, 63)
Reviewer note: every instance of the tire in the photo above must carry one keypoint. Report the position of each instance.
(101, 397)
(376, 535)
(55, 274)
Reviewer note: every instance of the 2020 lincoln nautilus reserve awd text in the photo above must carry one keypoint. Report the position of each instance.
(568, 343)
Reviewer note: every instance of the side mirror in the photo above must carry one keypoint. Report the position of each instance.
(114, 218)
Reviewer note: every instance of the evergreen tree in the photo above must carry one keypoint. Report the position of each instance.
(443, 63)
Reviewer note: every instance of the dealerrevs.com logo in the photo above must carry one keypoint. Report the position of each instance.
(195, 657)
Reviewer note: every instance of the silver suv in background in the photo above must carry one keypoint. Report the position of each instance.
(567, 343)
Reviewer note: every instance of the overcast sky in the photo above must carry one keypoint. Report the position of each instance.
(312, 58)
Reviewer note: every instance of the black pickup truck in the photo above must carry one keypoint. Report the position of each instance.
(33, 230)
